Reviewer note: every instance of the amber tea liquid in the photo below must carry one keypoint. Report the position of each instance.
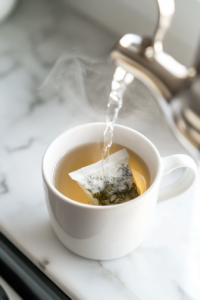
(89, 154)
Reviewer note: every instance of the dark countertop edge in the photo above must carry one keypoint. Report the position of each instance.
(24, 277)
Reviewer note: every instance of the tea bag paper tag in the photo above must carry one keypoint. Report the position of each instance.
(119, 174)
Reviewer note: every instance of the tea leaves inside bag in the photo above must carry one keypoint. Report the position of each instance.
(117, 187)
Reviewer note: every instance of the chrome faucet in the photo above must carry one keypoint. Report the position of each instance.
(176, 88)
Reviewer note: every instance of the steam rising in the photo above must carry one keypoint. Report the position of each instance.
(87, 82)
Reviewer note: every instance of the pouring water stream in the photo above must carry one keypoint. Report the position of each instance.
(121, 80)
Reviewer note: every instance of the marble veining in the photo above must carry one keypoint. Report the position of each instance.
(183, 294)
(20, 147)
(3, 185)
(167, 264)
(109, 272)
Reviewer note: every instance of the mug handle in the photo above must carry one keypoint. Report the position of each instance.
(170, 163)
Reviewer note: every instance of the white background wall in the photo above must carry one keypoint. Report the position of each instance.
(140, 16)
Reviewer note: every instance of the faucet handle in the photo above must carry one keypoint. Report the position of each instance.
(166, 12)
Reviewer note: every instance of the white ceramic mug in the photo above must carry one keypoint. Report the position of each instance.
(108, 232)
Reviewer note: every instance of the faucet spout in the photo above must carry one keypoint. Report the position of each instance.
(166, 78)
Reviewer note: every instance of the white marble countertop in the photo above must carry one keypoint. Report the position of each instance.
(167, 264)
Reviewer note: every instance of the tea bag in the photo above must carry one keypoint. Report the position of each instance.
(119, 185)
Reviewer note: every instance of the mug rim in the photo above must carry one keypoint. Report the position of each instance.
(86, 206)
